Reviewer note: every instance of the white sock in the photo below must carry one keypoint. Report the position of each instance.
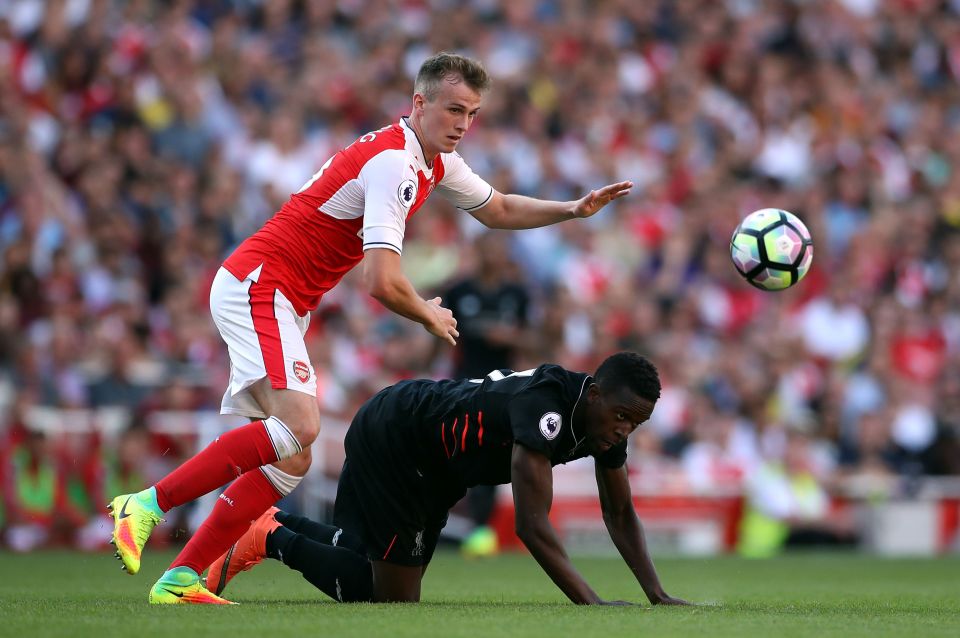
(284, 442)
(281, 481)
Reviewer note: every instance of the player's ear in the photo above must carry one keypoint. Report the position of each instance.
(418, 102)
(593, 393)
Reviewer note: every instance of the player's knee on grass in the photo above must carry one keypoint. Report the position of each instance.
(396, 583)
(340, 573)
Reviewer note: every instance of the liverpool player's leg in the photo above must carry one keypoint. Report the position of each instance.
(331, 559)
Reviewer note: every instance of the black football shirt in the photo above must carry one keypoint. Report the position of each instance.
(463, 431)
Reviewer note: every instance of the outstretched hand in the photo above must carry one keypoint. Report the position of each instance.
(593, 201)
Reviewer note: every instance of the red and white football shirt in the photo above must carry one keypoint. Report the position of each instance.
(361, 198)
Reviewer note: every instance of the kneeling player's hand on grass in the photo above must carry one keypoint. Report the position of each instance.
(666, 599)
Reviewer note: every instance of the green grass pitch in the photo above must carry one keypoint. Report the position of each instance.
(821, 595)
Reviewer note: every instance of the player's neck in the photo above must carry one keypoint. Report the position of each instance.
(428, 154)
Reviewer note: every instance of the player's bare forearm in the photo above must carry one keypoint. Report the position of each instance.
(628, 537)
(437, 320)
(626, 531)
(516, 212)
(532, 479)
(400, 297)
(545, 547)
(386, 283)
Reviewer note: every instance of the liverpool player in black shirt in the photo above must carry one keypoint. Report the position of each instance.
(413, 450)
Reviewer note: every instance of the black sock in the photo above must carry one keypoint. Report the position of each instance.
(326, 534)
(277, 541)
(340, 573)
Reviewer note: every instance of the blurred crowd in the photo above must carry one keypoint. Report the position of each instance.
(141, 141)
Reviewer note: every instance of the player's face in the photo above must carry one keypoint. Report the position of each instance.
(611, 417)
(446, 119)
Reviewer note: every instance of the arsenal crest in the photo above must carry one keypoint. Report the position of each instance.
(301, 371)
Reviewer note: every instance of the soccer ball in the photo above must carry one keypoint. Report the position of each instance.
(772, 249)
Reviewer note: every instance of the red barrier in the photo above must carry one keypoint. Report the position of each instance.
(723, 511)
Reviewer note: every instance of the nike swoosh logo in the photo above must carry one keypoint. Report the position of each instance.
(123, 510)
(223, 573)
(170, 591)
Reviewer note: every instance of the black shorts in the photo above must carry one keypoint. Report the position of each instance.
(382, 496)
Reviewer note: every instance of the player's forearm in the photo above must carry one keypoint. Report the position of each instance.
(545, 547)
(626, 532)
(518, 212)
(400, 297)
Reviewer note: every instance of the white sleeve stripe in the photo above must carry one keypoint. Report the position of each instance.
(481, 204)
(373, 244)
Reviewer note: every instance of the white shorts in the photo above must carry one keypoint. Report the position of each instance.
(264, 335)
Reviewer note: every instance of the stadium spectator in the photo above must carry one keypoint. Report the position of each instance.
(868, 460)
(108, 470)
(492, 305)
(721, 452)
(32, 493)
(787, 505)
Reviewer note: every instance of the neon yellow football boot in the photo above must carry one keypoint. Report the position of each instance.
(134, 517)
(182, 586)
(481, 543)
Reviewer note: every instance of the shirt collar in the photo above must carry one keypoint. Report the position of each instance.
(577, 442)
(414, 145)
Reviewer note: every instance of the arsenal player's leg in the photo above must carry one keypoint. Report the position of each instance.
(272, 383)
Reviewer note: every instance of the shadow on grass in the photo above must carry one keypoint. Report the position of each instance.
(531, 605)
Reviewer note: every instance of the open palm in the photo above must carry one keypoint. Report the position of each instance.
(593, 201)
